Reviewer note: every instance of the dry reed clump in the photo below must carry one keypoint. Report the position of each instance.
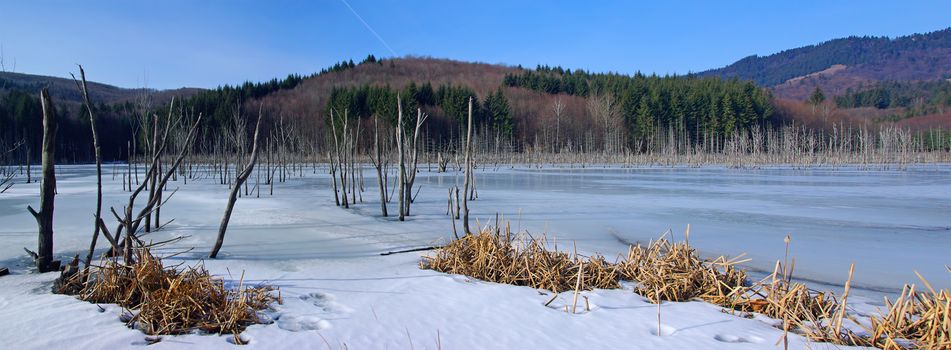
(666, 270)
(915, 320)
(173, 301)
(815, 315)
(785, 300)
(779, 297)
(521, 260)
(921, 318)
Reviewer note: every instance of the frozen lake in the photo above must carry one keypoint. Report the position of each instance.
(890, 223)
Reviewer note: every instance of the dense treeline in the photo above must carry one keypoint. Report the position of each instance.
(917, 98)
(121, 123)
(219, 105)
(549, 108)
(447, 106)
(689, 105)
(779, 67)
(21, 122)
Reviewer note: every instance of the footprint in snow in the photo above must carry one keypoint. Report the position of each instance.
(461, 279)
(326, 302)
(729, 338)
(298, 316)
(300, 323)
(664, 330)
(245, 339)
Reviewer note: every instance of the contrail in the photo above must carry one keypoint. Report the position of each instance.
(365, 24)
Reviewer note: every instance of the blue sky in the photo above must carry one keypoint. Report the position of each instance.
(174, 43)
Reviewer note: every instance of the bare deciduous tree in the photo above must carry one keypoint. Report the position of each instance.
(604, 108)
(6, 179)
(238, 182)
(408, 178)
(131, 223)
(558, 108)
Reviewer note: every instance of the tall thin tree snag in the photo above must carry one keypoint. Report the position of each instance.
(150, 178)
(238, 181)
(400, 149)
(468, 179)
(410, 177)
(378, 163)
(44, 218)
(334, 161)
(29, 165)
(95, 141)
(558, 107)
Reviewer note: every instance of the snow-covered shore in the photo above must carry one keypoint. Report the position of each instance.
(339, 291)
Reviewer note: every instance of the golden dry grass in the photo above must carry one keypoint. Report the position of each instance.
(674, 271)
(923, 317)
(521, 260)
(171, 300)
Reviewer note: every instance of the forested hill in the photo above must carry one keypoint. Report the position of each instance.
(64, 89)
(549, 108)
(541, 107)
(840, 64)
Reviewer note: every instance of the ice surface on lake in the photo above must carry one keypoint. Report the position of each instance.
(890, 223)
(338, 289)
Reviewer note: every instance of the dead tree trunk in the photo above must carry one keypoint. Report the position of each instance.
(239, 180)
(465, 197)
(333, 164)
(401, 181)
(98, 152)
(29, 164)
(411, 174)
(378, 163)
(44, 218)
(151, 178)
(158, 195)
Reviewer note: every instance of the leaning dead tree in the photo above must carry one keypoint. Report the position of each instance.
(44, 218)
(95, 141)
(238, 182)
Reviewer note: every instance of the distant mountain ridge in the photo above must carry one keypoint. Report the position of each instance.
(847, 63)
(64, 89)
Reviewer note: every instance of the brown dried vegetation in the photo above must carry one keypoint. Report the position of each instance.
(673, 271)
(171, 300)
(521, 260)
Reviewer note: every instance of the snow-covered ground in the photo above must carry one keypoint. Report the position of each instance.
(339, 291)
